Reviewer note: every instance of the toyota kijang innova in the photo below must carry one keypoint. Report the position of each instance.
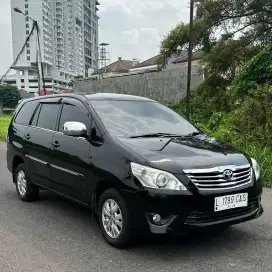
(138, 164)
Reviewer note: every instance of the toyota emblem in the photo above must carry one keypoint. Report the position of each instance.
(227, 174)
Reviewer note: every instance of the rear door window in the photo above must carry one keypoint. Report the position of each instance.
(48, 116)
(36, 116)
(26, 112)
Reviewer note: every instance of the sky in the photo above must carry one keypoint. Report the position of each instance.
(133, 28)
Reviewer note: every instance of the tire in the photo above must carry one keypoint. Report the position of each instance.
(124, 237)
(26, 190)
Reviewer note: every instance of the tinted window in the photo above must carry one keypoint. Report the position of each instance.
(48, 116)
(26, 112)
(132, 118)
(73, 113)
(95, 132)
(36, 115)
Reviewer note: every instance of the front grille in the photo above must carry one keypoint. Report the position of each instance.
(214, 179)
(204, 217)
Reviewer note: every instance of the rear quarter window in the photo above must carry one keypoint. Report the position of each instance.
(25, 113)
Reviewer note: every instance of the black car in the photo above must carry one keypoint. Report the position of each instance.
(139, 165)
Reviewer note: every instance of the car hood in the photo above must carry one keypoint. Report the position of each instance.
(177, 154)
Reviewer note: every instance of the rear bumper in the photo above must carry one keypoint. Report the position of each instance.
(191, 210)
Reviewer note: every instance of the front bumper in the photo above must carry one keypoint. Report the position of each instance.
(205, 218)
(191, 210)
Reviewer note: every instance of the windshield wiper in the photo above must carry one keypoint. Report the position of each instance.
(155, 135)
(195, 133)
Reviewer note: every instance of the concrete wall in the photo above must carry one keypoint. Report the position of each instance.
(196, 66)
(168, 86)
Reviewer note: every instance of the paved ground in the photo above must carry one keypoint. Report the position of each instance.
(56, 235)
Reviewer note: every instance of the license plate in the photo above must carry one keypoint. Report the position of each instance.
(230, 202)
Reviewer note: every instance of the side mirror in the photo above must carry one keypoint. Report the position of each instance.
(75, 129)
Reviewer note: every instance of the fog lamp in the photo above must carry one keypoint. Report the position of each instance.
(156, 218)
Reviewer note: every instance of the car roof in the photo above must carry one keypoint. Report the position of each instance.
(113, 96)
(96, 96)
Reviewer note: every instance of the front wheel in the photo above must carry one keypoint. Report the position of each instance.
(26, 190)
(114, 218)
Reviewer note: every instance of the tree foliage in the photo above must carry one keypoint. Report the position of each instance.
(226, 56)
(230, 32)
(257, 71)
(251, 18)
(9, 96)
(178, 38)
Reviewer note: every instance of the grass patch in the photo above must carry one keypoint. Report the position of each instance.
(4, 123)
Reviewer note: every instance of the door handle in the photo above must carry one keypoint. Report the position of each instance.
(27, 136)
(56, 144)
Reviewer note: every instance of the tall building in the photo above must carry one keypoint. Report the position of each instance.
(69, 41)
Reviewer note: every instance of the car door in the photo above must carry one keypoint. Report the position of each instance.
(71, 161)
(17, 129)
(38, 138)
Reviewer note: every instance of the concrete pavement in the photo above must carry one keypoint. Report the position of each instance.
(53, 234)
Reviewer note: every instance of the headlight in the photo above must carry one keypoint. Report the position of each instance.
(154, 178)
(256, 168)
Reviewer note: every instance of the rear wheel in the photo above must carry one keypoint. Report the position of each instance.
(26, 190)
(114, 218)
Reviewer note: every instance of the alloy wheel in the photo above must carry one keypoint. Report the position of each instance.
(21, 182)
(112, 219)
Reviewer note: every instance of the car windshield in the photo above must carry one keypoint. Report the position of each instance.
(141, 118)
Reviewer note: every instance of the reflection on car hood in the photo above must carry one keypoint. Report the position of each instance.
(175, 154)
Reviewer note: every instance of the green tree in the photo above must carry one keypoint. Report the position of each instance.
(258, 71)
(229, 32)
(9, 96)
(177, 39)
(251, 18)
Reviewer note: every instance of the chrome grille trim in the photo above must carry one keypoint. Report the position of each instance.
(217, 169)
(211, 179)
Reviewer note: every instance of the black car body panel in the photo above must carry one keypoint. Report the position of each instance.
(180, 153)
(80, 168)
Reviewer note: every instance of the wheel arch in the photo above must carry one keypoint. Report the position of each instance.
(102, 186)
(17, 160)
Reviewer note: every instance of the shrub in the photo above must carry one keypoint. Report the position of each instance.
(9, 96)
(258, 71)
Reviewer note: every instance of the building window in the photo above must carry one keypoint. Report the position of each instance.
(26, 18)
(26, 5)
(22, 80)
(26, 12)
(27, 25)
(28, 57)
(27, 45)
(27, 32)
(23, 87)
(28, 51)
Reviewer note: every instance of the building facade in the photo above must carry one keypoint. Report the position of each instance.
(69, 41)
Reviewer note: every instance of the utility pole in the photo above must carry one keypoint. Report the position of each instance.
(190, 53)
(36, 25)
(40, 53)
